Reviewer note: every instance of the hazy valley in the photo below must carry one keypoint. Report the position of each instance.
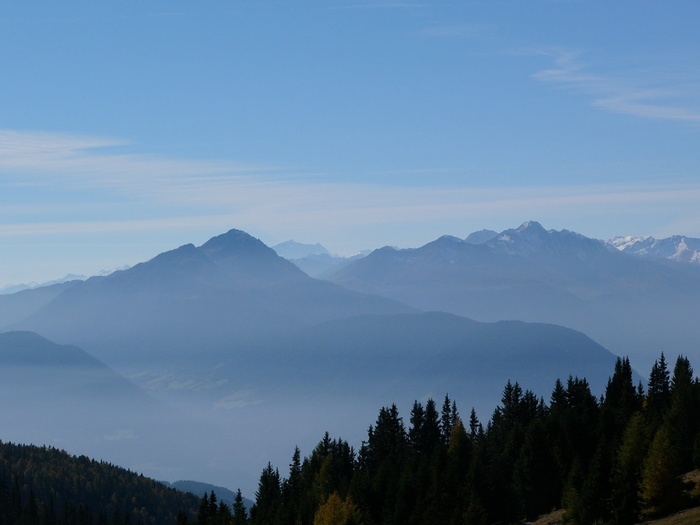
(220, 346)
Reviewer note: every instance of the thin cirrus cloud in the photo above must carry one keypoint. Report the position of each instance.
(32, 158)
(166, 194)
(652, 95)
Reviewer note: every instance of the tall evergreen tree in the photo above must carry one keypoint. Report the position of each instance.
(685, 399)
(658, 392)
(240, 516)
(627, 475)
(661, 488)
(267, 498)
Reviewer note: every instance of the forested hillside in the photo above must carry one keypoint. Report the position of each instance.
(617, 459)
(46, 486)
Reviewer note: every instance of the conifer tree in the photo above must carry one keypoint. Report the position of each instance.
(267, 498)
(240, 516)
(658, 392)
(474, 425)
(447, 419)
(661, 488)
(685, 400)
(627, 475)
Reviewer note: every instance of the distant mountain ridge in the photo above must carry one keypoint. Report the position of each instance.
(297, 250)
(677, 248)
(246, 340)
(59, 370)
(224, 293)
(634, 306)
(13, 288)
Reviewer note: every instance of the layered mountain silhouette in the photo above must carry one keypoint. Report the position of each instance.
(43, 371)
(211, 298)
(633, 306)
(409, 356)
(249, 343)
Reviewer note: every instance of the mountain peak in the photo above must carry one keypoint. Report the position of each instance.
(242, 256)
(233, 242)
(531, 226)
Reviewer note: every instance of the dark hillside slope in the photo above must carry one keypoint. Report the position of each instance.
(42, 483)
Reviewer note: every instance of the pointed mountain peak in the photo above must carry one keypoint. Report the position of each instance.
(531, 227)
(529, 232)
(242, 256)
(233, 242)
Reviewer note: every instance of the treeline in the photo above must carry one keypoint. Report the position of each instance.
(614, 459)
(47, 486)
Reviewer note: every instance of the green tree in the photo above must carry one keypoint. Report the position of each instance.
(267, 498)
(627, 475)
(240, 516)
(658, 398)
(661, 489)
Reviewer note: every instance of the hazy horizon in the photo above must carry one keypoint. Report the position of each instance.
(129, 129)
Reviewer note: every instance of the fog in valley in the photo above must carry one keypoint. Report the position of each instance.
(207, 362)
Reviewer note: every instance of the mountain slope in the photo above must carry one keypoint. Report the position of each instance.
(632, 306)
(379, 358)
(214, 297)
(48, 482)
(34, 368)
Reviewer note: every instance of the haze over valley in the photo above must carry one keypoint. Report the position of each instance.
(228, 229)
(205, 343)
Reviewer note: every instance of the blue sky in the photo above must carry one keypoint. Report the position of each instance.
(129, 128)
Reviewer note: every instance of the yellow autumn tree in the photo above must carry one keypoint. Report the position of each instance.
(335, 511)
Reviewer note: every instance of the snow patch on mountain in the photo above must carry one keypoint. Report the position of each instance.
(677, 248)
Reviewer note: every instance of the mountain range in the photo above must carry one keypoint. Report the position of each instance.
(223, 294)
(632, 305)
(235, 341)
(677, 248)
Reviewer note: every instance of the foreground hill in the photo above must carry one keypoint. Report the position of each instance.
(630, 305)
(47, 485)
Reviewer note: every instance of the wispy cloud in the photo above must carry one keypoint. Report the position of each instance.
(174, 195)
(651, 94)
(30, 158)
(238, 399)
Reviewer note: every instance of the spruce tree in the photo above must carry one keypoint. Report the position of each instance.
(240, 516)
(661, 489)
(658, 392)
(627, 475)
